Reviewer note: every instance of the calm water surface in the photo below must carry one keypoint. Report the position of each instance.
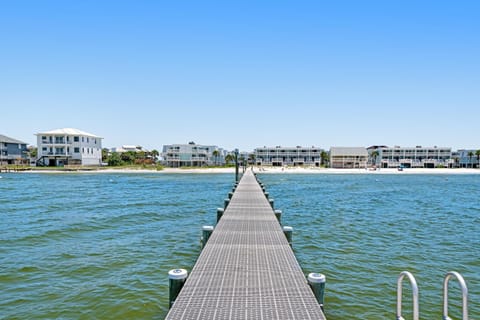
(82, 246)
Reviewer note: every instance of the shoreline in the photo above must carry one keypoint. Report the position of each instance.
(368, 171)
(272, 170)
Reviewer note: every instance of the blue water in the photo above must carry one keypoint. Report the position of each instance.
(82, 246)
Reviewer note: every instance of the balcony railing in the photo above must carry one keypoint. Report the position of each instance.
(56, 142)
(56, 154)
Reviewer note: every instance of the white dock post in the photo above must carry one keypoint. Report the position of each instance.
(288, 231)
(316, 281)
(206, 233)
(177, 278)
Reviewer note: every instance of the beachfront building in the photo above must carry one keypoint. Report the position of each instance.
(12, 151)
(412, 157)
(348, 157)
(192, 155)
(468, 158)
(128, 148)
(68, 147)
(292, 156)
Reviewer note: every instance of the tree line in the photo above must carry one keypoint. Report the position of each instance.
(115, 159)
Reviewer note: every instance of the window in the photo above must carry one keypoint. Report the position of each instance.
(87, 140)
(76, 139)
(76, 150)
(83, 139)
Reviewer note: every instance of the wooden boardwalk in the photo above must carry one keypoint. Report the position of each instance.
(247, 270)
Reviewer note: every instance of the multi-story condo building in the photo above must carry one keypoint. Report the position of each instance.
(468, 158)
(192, 155)
(12, 151)
(68, 147)
(293, 156)
(417, 157)
(348, 157)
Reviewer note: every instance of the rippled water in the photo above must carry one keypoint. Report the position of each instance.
(363, 230)
(81, 246)
(99, 245)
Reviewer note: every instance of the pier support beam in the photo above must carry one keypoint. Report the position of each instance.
(177, 278)
(278, 214)
(206, 233)
(288, 231)
(236, 166)
(316, 281)
(220, 212)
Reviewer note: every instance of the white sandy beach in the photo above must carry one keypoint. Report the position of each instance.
(273, 170)
(316, 170)
(303, 170)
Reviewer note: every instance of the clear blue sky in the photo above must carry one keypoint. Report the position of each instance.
(243, 73)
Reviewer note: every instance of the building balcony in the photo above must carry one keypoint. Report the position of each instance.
(55, 154)
(45, 142)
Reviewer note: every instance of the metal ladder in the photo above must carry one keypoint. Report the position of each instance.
(463, 286)
(413, 283)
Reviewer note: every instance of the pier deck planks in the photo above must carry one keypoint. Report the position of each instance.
(247, 269)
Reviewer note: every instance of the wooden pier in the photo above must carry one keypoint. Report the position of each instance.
(247, 270)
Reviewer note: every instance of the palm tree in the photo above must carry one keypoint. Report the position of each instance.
(477, 153)
(215, 153)
(155, 154)
(457, 161)
(374, 156)
(251, 158)
(470, 155)
(229, 158)
(324, 157)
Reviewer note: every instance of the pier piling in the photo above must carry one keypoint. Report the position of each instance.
(176, 278)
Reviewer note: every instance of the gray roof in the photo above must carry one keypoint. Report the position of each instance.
(6, 139)
(348, 151)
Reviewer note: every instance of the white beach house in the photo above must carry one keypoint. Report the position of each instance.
(348, 157)
(68, 146)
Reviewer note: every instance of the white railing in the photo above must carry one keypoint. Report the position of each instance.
(464, 289)
(448, 276)
(413, 282)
